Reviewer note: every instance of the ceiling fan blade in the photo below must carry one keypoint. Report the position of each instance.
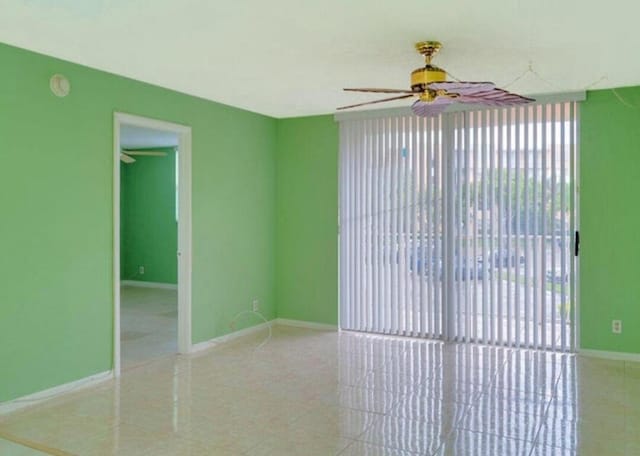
(432, 109)
(495, 97)
(462, 87)
(150, 153)
(379, 90)
(376, 101)
(126, 159)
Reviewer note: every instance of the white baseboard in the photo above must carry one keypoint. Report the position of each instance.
(45, 395)
(228, 337)
(141, 284)
(619, 356)
(305, 324)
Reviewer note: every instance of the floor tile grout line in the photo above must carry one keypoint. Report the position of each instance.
(28, 443)
(498, 369)
(356, 438)
(546, 411)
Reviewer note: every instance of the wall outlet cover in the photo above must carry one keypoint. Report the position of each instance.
(616, 326)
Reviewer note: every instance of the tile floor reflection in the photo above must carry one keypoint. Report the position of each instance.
(311, 392)
(148, 324)
(10, 448)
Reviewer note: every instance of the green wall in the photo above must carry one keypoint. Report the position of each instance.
(56, 155)
(307, 219)
(149, 229)
(609, 220)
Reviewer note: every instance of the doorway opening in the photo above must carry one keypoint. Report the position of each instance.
(152, 240)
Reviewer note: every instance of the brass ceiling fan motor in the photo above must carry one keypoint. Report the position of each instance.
(421, 77)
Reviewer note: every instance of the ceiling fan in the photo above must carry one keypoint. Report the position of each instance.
(126, 156)
(435, 93)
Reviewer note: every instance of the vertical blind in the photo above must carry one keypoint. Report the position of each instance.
(461, 226)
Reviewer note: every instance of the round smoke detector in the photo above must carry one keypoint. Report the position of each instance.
(60, 85)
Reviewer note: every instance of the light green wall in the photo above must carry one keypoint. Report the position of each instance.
(307, 219)
(610, 224)
(56, 202)
(149, 230)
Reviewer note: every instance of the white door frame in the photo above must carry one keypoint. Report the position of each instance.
(184, 228)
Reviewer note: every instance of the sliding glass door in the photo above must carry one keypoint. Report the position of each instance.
(461, 227)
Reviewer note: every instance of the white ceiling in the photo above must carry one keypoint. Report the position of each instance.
(132, 137)
(289, 58)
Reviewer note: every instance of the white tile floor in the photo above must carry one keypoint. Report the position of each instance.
(14, 449)
(322, 393)
(148, 324)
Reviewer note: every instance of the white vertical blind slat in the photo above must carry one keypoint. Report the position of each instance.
(437, 267)
(526, 231)
(486, 284)
(379, 220)
(536, 230)
(475, 152)
(364, 308)
(493, 296)
(543, 223)
(471, 259)
(346, 226)
(373, 223)
(457, 254)
(429, 208)
(394, 255)
(455, 232)
(366, 220)
(419, 155)
(416, 319)
(386, 260)
(564, 227)
(508, 151)
(517, 231)
(500, 221)
(353, 226)
(448, 261)
(404, 222)
(552, 223)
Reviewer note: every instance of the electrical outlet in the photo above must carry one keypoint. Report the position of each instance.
(256, 305)
(616, 326)
(141, 270)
